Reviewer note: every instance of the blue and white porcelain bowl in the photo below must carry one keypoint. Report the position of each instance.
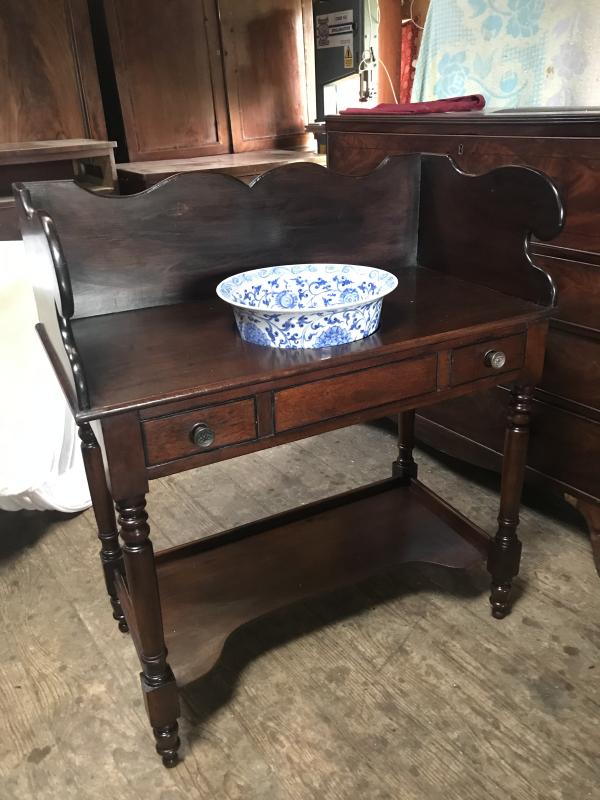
(307, 305)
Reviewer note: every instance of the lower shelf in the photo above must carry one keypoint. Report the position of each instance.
(212, 586)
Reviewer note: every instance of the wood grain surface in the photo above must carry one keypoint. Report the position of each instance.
(204, 351)
(169, 437)
(265, 71)
(567, 152)
(207, 593)
(168, 70)
(49, 88)
(140, 175)
(565, 446)
(572, 370)
(578, 285)
(52, 150)
(561, 434)
(163, 245)
(335, 397)
(469, 362)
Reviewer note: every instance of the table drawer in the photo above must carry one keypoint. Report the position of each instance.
(356, 391)
(171, 437)
(492, 357)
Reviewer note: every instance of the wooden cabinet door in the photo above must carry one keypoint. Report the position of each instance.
(167, 59)
(264, 47)
(49, 85)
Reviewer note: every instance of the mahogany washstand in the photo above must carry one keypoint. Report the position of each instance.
(145, 352)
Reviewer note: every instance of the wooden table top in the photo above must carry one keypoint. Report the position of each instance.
(231, 163)
(136, 357)
(30, 152)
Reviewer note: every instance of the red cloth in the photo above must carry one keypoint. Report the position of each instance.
(408, 54)
(470, 102)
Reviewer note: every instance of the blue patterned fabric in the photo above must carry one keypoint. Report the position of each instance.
(513, 52)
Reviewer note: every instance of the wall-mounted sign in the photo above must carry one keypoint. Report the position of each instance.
(335, 30)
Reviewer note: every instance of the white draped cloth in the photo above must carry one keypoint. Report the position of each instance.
(40, 460)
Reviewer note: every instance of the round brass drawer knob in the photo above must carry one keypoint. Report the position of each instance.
(202, 435)
(495, 359)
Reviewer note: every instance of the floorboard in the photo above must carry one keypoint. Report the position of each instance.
(402, 687)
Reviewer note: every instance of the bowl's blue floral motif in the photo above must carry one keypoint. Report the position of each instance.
(332, 336)
(252, 333)
(307, 305)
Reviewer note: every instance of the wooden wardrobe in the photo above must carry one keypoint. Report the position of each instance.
(49, 86)
(204, 77)
(175, 79)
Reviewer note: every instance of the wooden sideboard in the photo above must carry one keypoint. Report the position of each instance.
(565, 447)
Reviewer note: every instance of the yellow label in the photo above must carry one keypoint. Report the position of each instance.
(348, 57)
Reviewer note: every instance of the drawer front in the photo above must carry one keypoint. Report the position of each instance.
(578, 287)
(477, 360)
(563, 446)
(169, 438)
(356, 391)
(572, 368)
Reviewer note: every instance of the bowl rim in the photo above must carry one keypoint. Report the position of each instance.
(296, 311)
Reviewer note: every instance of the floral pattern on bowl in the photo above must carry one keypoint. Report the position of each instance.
(307, 305)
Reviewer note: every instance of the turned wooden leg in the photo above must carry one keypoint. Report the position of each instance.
(111, 555)
(505, 552)
(158, 683)
(591, 513)
(405, 466)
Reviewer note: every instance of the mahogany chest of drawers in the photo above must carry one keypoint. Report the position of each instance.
(564, 453)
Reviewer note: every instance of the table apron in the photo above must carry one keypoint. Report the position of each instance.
(228, 424)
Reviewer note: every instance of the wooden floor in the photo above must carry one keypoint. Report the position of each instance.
(402, 688)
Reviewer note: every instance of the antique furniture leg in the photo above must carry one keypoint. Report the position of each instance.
(111, 555)
(404, 466)
(591, 513)
(505, 551)
(158, 682)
